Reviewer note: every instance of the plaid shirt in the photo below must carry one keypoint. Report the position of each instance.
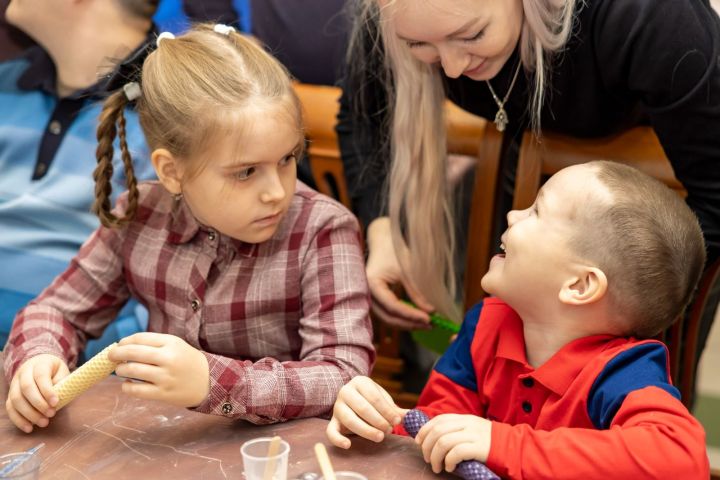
(283, 324)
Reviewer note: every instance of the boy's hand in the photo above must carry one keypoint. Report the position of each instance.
(448, 439)
(364, 408)
(172, 371)
(31, 398)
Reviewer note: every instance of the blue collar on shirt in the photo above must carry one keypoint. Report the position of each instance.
(41, 75)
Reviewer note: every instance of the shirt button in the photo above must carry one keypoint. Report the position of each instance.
(195, 305)
(528, 382)
(527, 407)
(211, 235)
(40, 169)
(55, 128)
(227, 408)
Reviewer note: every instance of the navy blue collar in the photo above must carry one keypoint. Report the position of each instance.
(41, 73)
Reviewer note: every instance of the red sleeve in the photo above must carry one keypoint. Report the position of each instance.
(651, 436)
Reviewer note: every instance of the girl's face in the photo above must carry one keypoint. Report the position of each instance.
(245, 187)
(465, 37)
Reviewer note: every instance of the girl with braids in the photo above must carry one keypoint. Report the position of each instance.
(50, 99)
(255, 287)
(582, 68)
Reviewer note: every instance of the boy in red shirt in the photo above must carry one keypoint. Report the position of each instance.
(554, 377)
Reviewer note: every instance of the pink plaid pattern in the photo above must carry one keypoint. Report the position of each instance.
(284, 323)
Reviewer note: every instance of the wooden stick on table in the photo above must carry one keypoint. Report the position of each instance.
(273, 450)
(324, 461)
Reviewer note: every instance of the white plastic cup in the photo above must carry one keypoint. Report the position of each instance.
(256, 462)
(348, 476)
(27, 465)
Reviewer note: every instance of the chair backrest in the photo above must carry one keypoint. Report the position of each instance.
(640, 148)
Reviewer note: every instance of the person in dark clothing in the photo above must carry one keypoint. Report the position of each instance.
(586, 69)
(309, 37)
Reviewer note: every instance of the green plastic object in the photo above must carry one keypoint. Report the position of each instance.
(436, 339)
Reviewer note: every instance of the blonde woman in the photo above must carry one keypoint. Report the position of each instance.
(254, 283)
(583, 68)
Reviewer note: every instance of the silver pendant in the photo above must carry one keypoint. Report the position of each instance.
(501, 120)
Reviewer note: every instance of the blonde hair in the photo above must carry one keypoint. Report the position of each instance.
(195, 89)
(649, 244)
(419, 205)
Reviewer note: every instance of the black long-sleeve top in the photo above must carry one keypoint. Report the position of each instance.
(628, 62)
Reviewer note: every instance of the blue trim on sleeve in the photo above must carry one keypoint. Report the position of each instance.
(636, 368)
(456, 363)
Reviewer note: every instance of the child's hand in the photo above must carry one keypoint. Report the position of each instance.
(173, 371)
(31, 398)
(362, 407)
(449, 439)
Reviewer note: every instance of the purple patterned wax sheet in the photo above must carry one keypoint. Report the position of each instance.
(469, 469)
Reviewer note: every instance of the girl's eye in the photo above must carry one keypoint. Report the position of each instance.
(245, 173)
(287, 160)
(476, 37)
(412, 44)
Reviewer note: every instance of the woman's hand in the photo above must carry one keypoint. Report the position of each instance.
(364, 408)
(448, 439)
(31, 397)
(171, 370)
(383, 271)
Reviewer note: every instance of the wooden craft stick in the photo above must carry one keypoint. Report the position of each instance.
(324, 461)
(273, 450)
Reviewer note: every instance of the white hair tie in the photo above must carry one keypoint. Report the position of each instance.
(223, 29)
(163, 36)
(132, 91)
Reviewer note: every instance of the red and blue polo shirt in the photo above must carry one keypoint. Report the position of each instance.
(601, 407)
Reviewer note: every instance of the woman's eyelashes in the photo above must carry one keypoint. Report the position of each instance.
(475, 37)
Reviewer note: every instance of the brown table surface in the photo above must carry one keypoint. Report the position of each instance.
(107, 434)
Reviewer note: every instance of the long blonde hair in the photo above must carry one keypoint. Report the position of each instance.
(419, 204)
(195, 88)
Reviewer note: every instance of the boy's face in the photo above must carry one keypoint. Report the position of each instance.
(245, 188)
(538, 255)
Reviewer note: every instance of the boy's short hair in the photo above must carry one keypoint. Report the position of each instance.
(649, 244)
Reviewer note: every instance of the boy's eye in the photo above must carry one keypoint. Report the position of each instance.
(245, 173)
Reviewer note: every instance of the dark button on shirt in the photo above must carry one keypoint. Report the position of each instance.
(227, 408)
(527, 407)
(55, 127)
(195, 304)
(528, 382)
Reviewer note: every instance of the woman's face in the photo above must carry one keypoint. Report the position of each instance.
(466, 37)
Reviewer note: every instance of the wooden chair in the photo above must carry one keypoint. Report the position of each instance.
(640, 148)
(465, 137)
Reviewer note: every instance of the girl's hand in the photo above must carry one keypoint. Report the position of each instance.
(383, 271)
(364, 408)
(31, 398)
(448, 439)
(171, 370)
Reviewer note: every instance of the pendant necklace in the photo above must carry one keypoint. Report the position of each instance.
(501, 117)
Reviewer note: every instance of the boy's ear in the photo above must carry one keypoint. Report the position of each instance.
(167, 169)
(588, 287)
